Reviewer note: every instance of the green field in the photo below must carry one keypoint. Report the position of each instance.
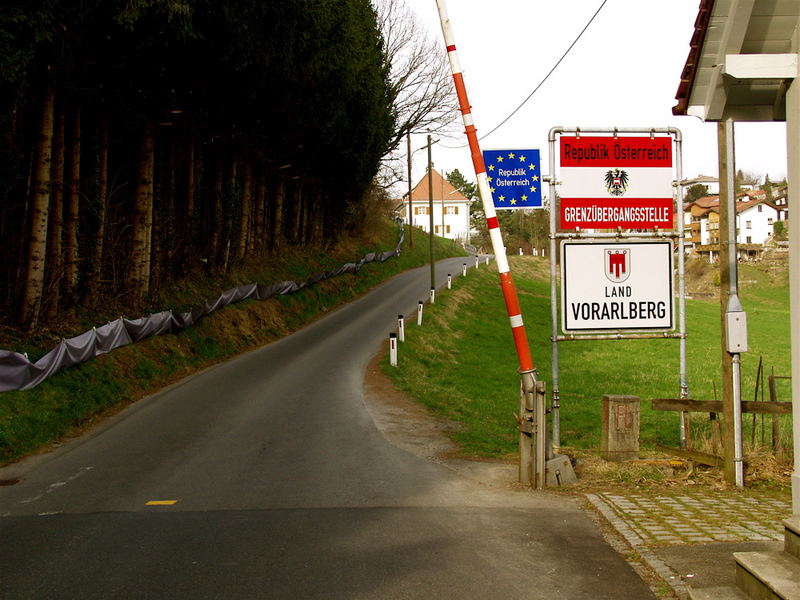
(462, 363)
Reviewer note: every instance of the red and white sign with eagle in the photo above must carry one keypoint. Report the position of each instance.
(609, 182)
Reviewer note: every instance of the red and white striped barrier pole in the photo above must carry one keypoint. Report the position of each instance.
(526, 366)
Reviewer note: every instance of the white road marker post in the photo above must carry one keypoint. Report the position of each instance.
(532, 426)
(393, 349)
(449, 281)
(476, 261)
(401, 328)
(464, 270)
(419, 313)
(433, 295)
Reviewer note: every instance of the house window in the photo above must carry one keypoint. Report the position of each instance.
(760, 208)
(439, 229)
(420, 210)
(749, 240)
(769, 220)
(451, 210)
(748, 224)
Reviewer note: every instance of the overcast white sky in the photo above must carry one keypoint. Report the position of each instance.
(624, 72)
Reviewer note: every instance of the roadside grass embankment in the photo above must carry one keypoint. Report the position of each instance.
(78, 397)
(462, 364)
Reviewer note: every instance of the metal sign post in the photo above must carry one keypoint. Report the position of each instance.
(619, 216)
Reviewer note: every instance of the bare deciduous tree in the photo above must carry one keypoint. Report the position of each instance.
(424, 96)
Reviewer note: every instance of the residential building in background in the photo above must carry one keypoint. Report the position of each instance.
(755, 219)
(450, 208)
(711, 183)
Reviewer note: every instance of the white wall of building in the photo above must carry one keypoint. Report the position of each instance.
(456, 218)
(755, 224)
(705, 236)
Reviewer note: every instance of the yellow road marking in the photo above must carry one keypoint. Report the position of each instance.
(161, 502)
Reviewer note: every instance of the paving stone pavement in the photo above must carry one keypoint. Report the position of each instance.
(699, 519)
(694, 517)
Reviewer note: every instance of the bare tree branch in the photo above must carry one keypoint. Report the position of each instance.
(425, 100)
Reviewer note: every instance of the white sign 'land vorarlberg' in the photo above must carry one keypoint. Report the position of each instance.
(616, 286)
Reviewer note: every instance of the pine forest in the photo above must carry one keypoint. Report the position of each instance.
(142, 139)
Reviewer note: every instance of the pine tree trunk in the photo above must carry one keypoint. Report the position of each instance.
(247, 202)
(289, 211)
(163, 231)
(316, 211)
(139, 263)
(55, 258)
(251, 217)
(276, 237)
(257, 238)
(150, 166)
(300, 210)
(188, 220)
(72, 217)
(217, 215)
(38, 222)
(230, 176)
(96, 265)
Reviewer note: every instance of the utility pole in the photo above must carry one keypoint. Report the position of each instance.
(410, 210)
(430, 210)
(733, 323)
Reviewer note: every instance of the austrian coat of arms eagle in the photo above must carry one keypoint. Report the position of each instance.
(616, 182)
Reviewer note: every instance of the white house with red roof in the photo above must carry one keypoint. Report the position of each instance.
(450, 208)
(755, 217)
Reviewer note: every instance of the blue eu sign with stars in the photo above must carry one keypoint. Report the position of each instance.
(514, 178)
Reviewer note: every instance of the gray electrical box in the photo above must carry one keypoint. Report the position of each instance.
(736, 331)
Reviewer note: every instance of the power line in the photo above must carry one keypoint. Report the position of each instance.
(546, 77)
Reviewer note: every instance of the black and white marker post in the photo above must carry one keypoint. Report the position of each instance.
(393, 349)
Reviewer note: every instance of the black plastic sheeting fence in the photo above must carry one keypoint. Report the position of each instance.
(19, 373)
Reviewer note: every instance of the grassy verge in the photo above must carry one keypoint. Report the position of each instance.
(462, 362)
(77, 397)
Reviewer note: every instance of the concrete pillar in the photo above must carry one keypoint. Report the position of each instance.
(619, 436)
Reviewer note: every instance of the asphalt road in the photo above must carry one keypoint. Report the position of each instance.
(271, 481)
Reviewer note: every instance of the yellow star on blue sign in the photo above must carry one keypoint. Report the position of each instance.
(514, 178)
